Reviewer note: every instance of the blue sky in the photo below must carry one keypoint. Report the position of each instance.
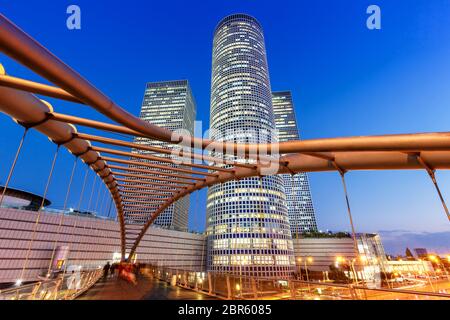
(346, 81)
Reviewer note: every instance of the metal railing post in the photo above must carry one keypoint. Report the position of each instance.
(210, 288)
(228, 288)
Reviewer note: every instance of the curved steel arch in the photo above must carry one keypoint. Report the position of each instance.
(428, 151)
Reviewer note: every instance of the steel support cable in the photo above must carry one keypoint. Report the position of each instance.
(297, 226)
(96, 201)
(29, 111)
(49, 177)
(349, 212)
(94, 180)
(432, 173)
(72, 236)
(86, 233)
(70, 183)
(261, 206)
(82, 188)
(197, 220)
(38, 215)
(102, 204)
(70, 245)
(110, 205)
(347, 201)
(350, 216)
(95, 235)
(13, 165)
(62, 215)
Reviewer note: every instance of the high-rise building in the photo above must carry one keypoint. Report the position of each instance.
(247, 220)
(170, 105)
(298, 194)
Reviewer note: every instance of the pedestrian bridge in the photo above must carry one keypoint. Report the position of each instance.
(132, 188)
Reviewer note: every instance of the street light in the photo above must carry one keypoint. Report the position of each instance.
(438, 261)
(352, 265)
(338, 261)
(363, 259)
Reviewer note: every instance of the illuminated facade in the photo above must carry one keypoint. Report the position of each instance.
(298, 194)
(248, 227)
(170, 105)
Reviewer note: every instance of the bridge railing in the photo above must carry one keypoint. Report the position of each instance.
(65, 287)
(229, 286)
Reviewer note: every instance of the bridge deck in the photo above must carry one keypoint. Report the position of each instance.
(146, 289)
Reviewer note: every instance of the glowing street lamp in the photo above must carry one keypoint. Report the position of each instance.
(438, 261)
(339, 260)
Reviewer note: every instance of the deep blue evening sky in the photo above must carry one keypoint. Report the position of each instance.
(346, 81)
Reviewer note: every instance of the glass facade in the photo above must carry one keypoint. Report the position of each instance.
(247, 220)
(170, 105)
(298, 194)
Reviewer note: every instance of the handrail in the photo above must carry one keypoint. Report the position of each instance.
(54, 289)
(220, 285)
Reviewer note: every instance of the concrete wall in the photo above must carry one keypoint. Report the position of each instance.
(323, 251)
(92, 242)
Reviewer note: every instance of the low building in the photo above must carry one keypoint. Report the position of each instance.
(409, 267)
(91, 243)
(320, 252)
(20, 199)
(325, 248)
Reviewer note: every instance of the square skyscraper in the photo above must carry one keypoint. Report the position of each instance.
(170, 105)
(298, 194)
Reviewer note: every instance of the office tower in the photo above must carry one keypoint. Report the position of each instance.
(169, 105)
(247, 220)
(421, 252)
(298, 194)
